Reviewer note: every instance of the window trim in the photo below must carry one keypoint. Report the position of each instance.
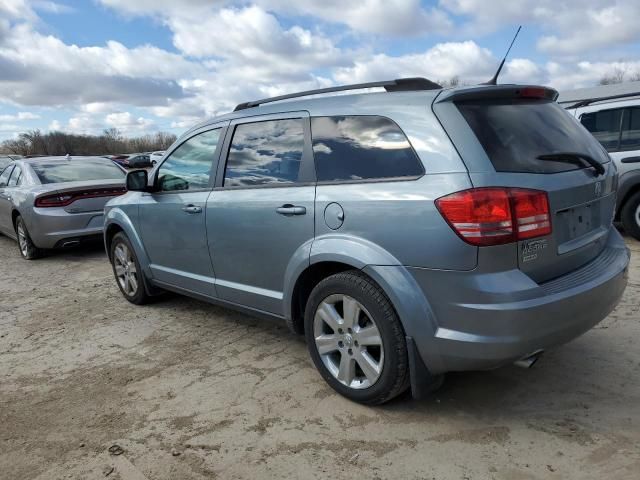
(214, 162)
(408, 178)
(307, 173)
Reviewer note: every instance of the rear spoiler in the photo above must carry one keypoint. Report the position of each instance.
(481, 92)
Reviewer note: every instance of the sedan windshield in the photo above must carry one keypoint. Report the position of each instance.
(61, 172)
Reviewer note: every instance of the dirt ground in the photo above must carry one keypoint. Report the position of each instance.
(193, 391)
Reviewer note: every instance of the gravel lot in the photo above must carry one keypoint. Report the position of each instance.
(190, 390)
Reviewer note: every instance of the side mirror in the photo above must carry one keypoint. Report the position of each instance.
(137, 181)
(154, 163)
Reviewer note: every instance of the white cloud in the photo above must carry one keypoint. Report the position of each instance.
(19, 116)
(570, 27)
(125, 121)
(387, 17)
(441, 62)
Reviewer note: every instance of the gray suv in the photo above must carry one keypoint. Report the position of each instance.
(405, 233)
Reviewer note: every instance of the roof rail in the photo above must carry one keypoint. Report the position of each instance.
(398, 85)
(587, 101)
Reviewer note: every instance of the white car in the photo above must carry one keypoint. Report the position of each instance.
(612, 114)
(156, 157)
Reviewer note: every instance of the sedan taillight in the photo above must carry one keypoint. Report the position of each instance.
(67, 198)
(496, 215)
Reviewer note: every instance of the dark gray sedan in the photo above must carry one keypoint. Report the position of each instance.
(55, 202)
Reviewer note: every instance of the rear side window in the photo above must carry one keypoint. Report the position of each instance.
(514, 133)
(265, 153)
(361, 148)
(4, 177)
(604, 126)
(15, 178)
(630, 138)
(73, 171)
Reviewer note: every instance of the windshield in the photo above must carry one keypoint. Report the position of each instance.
(61, 172)
(514, 133)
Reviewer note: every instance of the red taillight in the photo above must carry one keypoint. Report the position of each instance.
(534, 92)
(67, 198)
(496, 215)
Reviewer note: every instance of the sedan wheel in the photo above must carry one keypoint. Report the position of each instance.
(27, 249)
(348, 341)
(22, 240)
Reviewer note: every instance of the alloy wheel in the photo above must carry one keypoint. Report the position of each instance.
(348, 341)
(126, 271)
(22, 240)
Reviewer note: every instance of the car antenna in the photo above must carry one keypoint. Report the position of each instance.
(494, 80)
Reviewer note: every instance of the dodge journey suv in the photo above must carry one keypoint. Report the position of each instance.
(406, 233)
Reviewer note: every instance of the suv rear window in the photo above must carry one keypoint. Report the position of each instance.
(361, 148)
(81, 170)
(514, 133)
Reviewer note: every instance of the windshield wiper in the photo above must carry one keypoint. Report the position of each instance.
(575, 158)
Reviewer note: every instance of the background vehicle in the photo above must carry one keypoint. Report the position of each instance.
(406, 233)
(53, 202)
(135, 160)
(156, 157)
(612, 114)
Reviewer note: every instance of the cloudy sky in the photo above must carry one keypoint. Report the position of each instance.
(147, 65)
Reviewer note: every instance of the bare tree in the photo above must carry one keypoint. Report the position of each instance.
(111, 141)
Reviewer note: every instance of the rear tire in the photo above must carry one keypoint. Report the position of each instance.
(28, 250)
(127, 271)
(355, 338)
(630, 216)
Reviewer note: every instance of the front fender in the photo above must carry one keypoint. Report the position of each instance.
(116, 216)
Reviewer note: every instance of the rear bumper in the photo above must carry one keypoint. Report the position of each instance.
(485, 320)
(53, 227)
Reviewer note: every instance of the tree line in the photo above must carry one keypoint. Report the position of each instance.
(111, 141)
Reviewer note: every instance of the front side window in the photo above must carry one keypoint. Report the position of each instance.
(361, 148)
(15, 178)
(4, 177)
(189, 166)
(630, 138)
(265, 153)
(604, 126)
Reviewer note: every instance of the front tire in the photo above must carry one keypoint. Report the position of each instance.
(630, 216)
(28, 250)
(355, 339)
(127, 271)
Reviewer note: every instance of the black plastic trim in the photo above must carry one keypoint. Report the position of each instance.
(398, 85)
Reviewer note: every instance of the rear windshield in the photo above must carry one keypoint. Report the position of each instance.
(514, 133)
(77, 171)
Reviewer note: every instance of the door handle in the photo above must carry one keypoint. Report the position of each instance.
(289, 210)
(630, 160)
(192, 209)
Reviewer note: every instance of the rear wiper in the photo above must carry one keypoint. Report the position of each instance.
(575, 158)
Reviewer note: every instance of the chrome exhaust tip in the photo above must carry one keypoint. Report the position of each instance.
(529, 360)
(71, 243)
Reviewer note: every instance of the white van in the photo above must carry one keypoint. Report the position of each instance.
(612, 114)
